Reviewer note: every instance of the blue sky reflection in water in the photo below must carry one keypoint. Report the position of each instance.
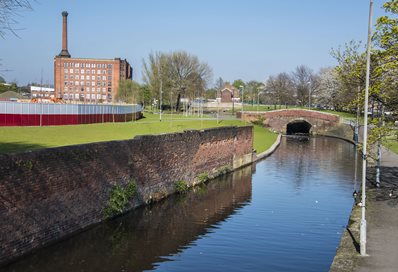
(286, 213)
(300, 204)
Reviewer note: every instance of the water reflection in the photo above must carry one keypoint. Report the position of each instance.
(285, 215)
(146, 236)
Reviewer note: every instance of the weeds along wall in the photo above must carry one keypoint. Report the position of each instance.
(48, 194)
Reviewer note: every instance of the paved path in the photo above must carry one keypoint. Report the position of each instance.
(382, 219)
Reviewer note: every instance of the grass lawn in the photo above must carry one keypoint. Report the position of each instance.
(17, 139)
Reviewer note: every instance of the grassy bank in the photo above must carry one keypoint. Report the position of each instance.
(18, 139)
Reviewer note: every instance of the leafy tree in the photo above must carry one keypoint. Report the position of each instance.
(128, 91)
(178, 74)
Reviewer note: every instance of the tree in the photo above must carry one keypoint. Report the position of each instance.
(251, 91)
(219, 85)
(9, 9)
(128, 91)
(386, 40)
(305, 84)
(330, 92)
(178, 74)
(280, 88)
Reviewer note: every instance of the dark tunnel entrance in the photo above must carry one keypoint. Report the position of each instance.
(298, 127)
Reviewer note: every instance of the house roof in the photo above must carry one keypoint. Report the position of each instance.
(231, 88)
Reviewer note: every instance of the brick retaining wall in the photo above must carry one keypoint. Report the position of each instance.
(48, 194)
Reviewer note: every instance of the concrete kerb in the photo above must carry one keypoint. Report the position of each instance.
(269, 151)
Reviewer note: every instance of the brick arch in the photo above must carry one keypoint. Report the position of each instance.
(277, 120)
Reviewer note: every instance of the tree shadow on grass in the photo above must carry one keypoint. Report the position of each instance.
(18, 147)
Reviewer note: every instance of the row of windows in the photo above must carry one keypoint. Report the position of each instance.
(88, 89)
(88, 83)
(82, 71)
(88, 96)
(82, 77)
(87, 65)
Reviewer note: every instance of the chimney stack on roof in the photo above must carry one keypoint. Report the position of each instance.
(64, 52)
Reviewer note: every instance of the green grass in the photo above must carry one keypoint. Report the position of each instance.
(18, 139)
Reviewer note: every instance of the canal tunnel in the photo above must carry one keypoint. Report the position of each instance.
(298, 127)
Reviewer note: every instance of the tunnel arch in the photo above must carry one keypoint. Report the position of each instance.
(298, 127)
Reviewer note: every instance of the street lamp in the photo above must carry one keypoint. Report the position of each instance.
(258, 99)
(365, 137)
(241, 89)
(309, 94)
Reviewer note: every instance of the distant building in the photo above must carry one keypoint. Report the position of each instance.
(228, 94)
(85, 79)
(41, 92)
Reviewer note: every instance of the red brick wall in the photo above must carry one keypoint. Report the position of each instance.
(48, 194)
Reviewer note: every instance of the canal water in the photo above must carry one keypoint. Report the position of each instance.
(285, 213)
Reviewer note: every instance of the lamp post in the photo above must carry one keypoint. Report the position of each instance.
(258, 99)
(309, 94)
(365, 137)
(241, 89)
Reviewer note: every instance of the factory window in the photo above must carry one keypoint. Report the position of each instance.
(109, 78)
(103, 72)
(98, 90)
(98, 72)
(87, 77)
(92, 77)
(103, 90)
(92, 83)
(98, 78)
(76, 71)
(82, 65)
(72, 77)
(98, 83)
(103, 83)
(82, 83)
(65, 64)
(93, 71)
(98, 65)
(87, 83)
(82, 71)
(82, 77)
(87, 71)
(76, 83)
(66, 70)
(109, 66)
(77, 65)
(103, 65)
(109, 90)
(109, 72)
(82, 89)
(109, 83)
(70, 70)
(65, 76)
(103, 77)
(71, 83)
(66, 83)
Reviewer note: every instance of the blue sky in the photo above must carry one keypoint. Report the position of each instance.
(247, 39)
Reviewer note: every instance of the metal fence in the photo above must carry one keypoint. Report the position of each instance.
(44, 114)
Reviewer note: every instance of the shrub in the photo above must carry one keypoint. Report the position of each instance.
(203, 177)
(181, 187)
(119, 198)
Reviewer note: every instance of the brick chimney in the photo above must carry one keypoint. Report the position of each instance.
(64, 52)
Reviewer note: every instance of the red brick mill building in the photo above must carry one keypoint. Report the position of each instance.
(86, 79)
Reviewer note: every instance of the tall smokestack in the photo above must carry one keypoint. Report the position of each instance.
(64, 52)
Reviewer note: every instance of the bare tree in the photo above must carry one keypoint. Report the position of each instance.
(305, 84)
(280, 89)
(9, 9)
